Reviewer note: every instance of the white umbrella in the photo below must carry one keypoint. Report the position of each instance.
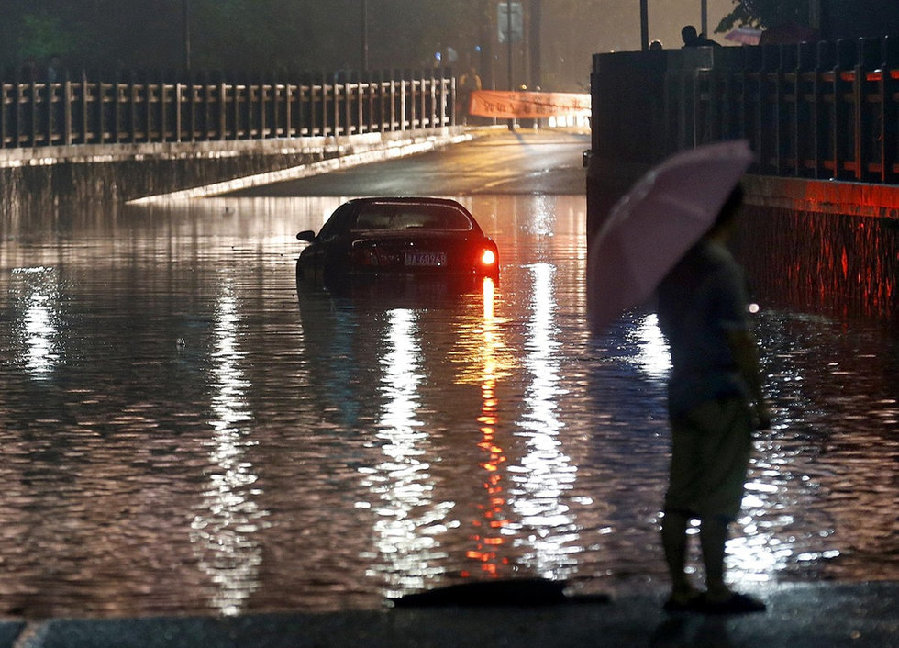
(745, 35)
(660, 218)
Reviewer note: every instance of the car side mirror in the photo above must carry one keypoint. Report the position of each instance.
(306, 235)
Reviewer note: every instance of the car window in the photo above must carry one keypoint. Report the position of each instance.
(340, 221)
(402, 216)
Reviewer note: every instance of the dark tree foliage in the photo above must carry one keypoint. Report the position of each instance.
(270, 36)
(765, 14)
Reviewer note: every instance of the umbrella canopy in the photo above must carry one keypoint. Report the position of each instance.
(744, 35)
(660, 218)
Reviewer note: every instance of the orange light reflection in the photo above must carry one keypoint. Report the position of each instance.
(493, 514)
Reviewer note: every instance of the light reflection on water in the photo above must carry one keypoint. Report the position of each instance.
(224, 531)
(171, 410)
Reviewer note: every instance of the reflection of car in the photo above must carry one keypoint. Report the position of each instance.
(389, 237)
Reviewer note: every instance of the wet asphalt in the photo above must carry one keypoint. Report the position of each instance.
(798, 616)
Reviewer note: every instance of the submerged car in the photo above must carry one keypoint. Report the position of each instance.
(369, 238)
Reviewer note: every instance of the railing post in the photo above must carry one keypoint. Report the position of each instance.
(222, 107)
(49, 123)
(151, 97)
(190, 107)
(324, 103)
(869, 156)
(313, 106)
(85, 109)
(805, 63)
(4, 112)
(337, 89)
(163, 121)
(423, 97)
(890, 109)
(237, 90)
(411, 117)
(394, 114)
(348, 106)
(769, 109)
(339, 101)
(289, 130)
(274, 106)
(68, 100)
(179, 112)
(34, 115)
(303, 112)
(133, 89)
(363, 98)
(117, 111)
(824, 66)
(102, 120)
(252, 108)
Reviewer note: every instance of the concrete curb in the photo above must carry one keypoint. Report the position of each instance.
(392, 151)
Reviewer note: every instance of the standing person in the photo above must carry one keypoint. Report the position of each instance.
(469, 82)
(715, 398)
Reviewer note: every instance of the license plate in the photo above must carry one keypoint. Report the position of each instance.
(425, 258)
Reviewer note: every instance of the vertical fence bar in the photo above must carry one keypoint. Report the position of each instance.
(423, 99)
(313, 107)
(870, 62)
(362, 91)
(411, 117)
(351, 95)
(337, 92)
(49, 103)
(181, 113)
(133, 90)
(85, 88)
(67, 103)
(303, 128)
(34, 117)
(823, 100)
(395, 111)
(325, 90)
(162, 112)
(289, 90)
(221, 115)
(843, 127)
(236, 110)
(4, 113)
(890, 109)
(18, 98)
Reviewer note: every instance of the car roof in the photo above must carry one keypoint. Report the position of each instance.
(416, 200)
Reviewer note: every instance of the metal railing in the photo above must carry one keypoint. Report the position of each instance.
(817, 110)
(95, 112)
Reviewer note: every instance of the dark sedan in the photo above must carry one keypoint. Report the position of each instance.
(388, 237)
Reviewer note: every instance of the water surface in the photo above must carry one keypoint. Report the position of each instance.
(184, 433)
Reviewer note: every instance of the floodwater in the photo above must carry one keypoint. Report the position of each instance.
(183, 433)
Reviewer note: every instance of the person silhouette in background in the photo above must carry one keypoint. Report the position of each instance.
(715, 401)
(692, 39)
(469, 82)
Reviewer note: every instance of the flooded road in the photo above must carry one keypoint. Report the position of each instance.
(185, 433)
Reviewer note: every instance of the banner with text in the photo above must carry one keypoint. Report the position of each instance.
(509, 105)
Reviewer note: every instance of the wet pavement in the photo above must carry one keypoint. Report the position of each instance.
(800, 616)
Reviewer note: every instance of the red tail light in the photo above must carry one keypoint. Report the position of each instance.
(488, 257)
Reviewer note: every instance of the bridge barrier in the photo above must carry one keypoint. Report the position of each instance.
(819, 110)
(100, 142)
(37, 114)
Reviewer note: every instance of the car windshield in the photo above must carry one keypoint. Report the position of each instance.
(402, 217)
